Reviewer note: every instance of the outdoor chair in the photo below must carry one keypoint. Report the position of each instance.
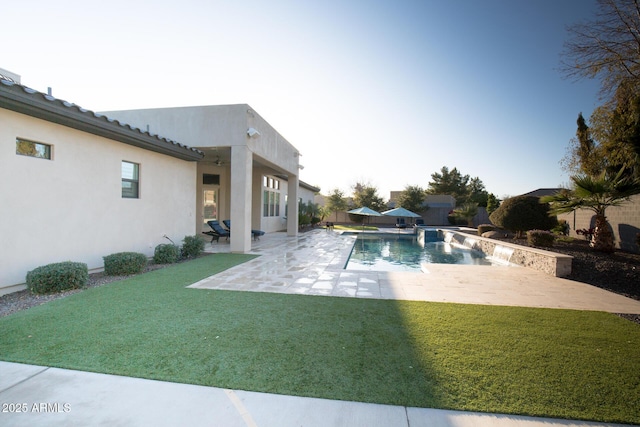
(216, 231)
(419, 221)
(400, 223)
(256, 233)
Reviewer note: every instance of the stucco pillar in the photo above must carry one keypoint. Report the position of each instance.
(292, 205)
(241, 189)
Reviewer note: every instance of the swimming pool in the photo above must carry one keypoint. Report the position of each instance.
(402, 252)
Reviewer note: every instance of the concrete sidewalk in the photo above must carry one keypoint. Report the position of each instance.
(37, 396)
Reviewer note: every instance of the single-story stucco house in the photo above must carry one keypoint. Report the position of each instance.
(78, 185)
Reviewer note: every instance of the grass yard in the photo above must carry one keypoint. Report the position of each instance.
(347, 227)
(539, 362)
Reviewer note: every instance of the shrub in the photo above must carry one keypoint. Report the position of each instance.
(562, 228)
(192, 246)
(124, 263)
(483, 228)
(57, 277)
(522, 213)
(166, 253)
(540, 238)
(454, 219)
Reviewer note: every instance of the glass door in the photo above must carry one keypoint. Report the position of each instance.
(209, 205)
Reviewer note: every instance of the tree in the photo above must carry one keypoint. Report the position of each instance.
(464, 188)
(493, 203)
(583, 155)
(466, 212)
(412, 198)
(449, 182)
(608, 47)
(308, 213)
(523, 213)
(336, 202)
(367, 195)
(477, 192)
(596, 194)
(616, 127)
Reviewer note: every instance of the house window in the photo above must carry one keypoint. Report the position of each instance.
(270, 197)
(33, 149)
(210, 179)
(130, 180)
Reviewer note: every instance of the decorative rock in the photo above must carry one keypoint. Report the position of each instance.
(497, 234)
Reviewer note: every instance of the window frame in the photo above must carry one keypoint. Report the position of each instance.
(271, 197)
(48, 149)
(134, 182)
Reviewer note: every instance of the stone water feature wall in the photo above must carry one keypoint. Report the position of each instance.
(551, 263)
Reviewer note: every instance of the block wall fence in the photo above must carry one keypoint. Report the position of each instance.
(624, 220)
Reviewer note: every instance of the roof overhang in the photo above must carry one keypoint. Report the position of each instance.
(22, 99)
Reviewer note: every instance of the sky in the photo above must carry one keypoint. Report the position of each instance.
(380, 92)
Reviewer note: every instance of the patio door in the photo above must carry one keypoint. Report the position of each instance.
(209, 204)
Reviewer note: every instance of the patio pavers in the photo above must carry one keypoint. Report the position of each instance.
(312, 263)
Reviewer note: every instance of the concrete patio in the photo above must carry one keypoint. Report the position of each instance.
(313, 264)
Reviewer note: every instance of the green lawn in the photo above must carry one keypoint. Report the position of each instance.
(348, 227)
(540, 362)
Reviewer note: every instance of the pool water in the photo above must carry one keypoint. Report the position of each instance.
(404, 253)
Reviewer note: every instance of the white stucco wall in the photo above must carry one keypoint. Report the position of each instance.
(71, 208)
(216, 126)
(210, 127)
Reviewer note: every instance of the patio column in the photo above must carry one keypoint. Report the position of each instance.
(292, 205)
(241, 189)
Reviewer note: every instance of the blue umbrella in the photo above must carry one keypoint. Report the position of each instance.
(401, 212)
(364, 211)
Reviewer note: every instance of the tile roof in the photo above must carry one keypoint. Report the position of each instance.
(540, 192)
(19, 98)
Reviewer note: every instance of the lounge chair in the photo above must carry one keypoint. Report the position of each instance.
(216, 231)
(419, 221)
(400, 223)
(256, 233)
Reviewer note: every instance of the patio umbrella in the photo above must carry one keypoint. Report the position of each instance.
(364, 211)
(401, 212)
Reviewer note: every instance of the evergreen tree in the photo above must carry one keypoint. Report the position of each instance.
(464, 188)
(412, 198)
(336, 202)
(367, 195)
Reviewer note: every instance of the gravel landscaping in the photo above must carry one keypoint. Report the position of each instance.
(21, 300)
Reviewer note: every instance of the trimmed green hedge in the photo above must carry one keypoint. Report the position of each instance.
(192, 246)
(57, 277)
(540, 238)
(166, 253)
(122, 263)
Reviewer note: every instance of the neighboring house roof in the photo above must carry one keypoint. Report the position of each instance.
(301, 184)
(21, 99)
(540, 192)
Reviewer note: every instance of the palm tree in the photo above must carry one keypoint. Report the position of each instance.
(467, 211)
(596, 194)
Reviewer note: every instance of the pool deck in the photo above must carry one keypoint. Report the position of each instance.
(312, 263)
